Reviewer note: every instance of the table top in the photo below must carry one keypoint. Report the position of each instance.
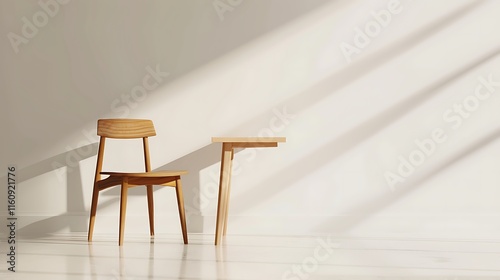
(248, 139)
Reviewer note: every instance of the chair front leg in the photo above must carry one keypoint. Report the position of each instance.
(151, 210)
(93, 210)
(123, 209)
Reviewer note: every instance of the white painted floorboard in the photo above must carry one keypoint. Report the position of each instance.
(254, 257)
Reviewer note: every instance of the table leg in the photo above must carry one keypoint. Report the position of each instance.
(228, 194)
(225, 173)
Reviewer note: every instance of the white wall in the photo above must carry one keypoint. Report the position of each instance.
(263, 67)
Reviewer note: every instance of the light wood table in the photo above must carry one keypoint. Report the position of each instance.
(228, 146)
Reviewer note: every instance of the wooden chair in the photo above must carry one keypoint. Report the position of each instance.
(128, 129)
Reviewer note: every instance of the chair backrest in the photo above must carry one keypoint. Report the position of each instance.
(125, 128)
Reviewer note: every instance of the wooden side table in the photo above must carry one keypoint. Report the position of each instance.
(228, 146)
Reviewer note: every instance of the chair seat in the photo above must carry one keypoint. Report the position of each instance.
(163, 178)
(151, 174)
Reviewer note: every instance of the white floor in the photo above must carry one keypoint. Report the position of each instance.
(254, 257)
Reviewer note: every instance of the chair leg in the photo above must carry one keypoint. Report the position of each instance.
(93, 210)
(180, 204)
(151, 210)
(123, 209)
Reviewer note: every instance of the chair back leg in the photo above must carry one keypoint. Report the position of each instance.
(180, 204)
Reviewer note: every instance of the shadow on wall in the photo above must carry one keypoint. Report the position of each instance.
(356, 135)
(343, 224)
(93, 72)
(195, 161)
(350, 139)
(74, 198)
(209, 155)
(99, 54)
